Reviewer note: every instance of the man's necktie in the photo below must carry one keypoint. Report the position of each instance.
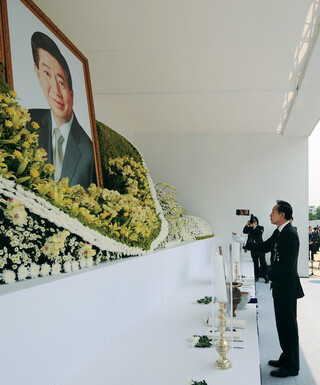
(58, 154)
(275, 256)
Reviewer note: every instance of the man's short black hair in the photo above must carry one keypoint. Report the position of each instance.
(285, 207)
(41, 40)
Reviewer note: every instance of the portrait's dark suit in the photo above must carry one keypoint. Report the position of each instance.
(258, 257)
(78, 162)
(286, 288)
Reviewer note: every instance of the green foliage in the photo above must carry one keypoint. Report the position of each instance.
(205, 237)
(205, 300)
(204, 342)
(113, 145)
(315, 216)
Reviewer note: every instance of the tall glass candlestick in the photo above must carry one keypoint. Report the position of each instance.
(219, 278)
(236, 251)
(236, 258)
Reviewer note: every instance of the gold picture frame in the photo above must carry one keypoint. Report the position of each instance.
(20, 19)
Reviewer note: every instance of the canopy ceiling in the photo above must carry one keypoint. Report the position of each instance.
(199, 66)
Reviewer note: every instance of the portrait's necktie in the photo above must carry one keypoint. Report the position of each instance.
(58, 154)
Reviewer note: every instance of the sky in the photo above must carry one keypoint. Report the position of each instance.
(314, 167)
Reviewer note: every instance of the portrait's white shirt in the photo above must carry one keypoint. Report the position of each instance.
(64, 129)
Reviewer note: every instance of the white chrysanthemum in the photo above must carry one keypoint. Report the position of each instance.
(9, 276)
(34, 270)
(189, 381)
(56, 268)
(195, 340)
(75, 265)
(45, 269)
(23, 273)
(90, 262)
(67, 267)
(83, 263)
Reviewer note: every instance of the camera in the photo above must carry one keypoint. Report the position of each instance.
(252, 219)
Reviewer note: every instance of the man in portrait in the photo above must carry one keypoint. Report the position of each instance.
(69, 148)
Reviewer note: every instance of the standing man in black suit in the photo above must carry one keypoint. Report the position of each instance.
(286, 287)
(68, 146)
(311, 244)
(255, 231)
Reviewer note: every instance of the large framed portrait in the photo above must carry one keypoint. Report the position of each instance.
(52, 80)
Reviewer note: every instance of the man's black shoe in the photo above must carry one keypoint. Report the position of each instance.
(282, 372)
(275, 363)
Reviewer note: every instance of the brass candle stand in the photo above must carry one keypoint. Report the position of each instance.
(222, 346)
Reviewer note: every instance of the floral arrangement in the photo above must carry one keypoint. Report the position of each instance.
(78, 227)
(24, 253)
(173, 212)
(129, 222)
(200, 341)
(129, 216)
(192, 382)
(20, 158)
(181, 227)
(205, 300)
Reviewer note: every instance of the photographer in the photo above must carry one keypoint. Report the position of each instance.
(255, 232)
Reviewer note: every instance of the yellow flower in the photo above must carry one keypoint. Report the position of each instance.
(17, 154)
(16, 138)
(35, 125)
(86, 251)
(10, 111)
(122, 231)
(22, 166)
(125, 214)
(49, 168)
(13, 94)
(40, 155)
(58, 198)
(104, 215)
(16, 212)
(34, 173)
(75, 208)
(43, 188)
(8, 123)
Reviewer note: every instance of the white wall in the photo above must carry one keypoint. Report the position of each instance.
(217, 173)
(52, 327)
(103, 117)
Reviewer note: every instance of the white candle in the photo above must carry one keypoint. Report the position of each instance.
(219, 278)
(236, 251)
